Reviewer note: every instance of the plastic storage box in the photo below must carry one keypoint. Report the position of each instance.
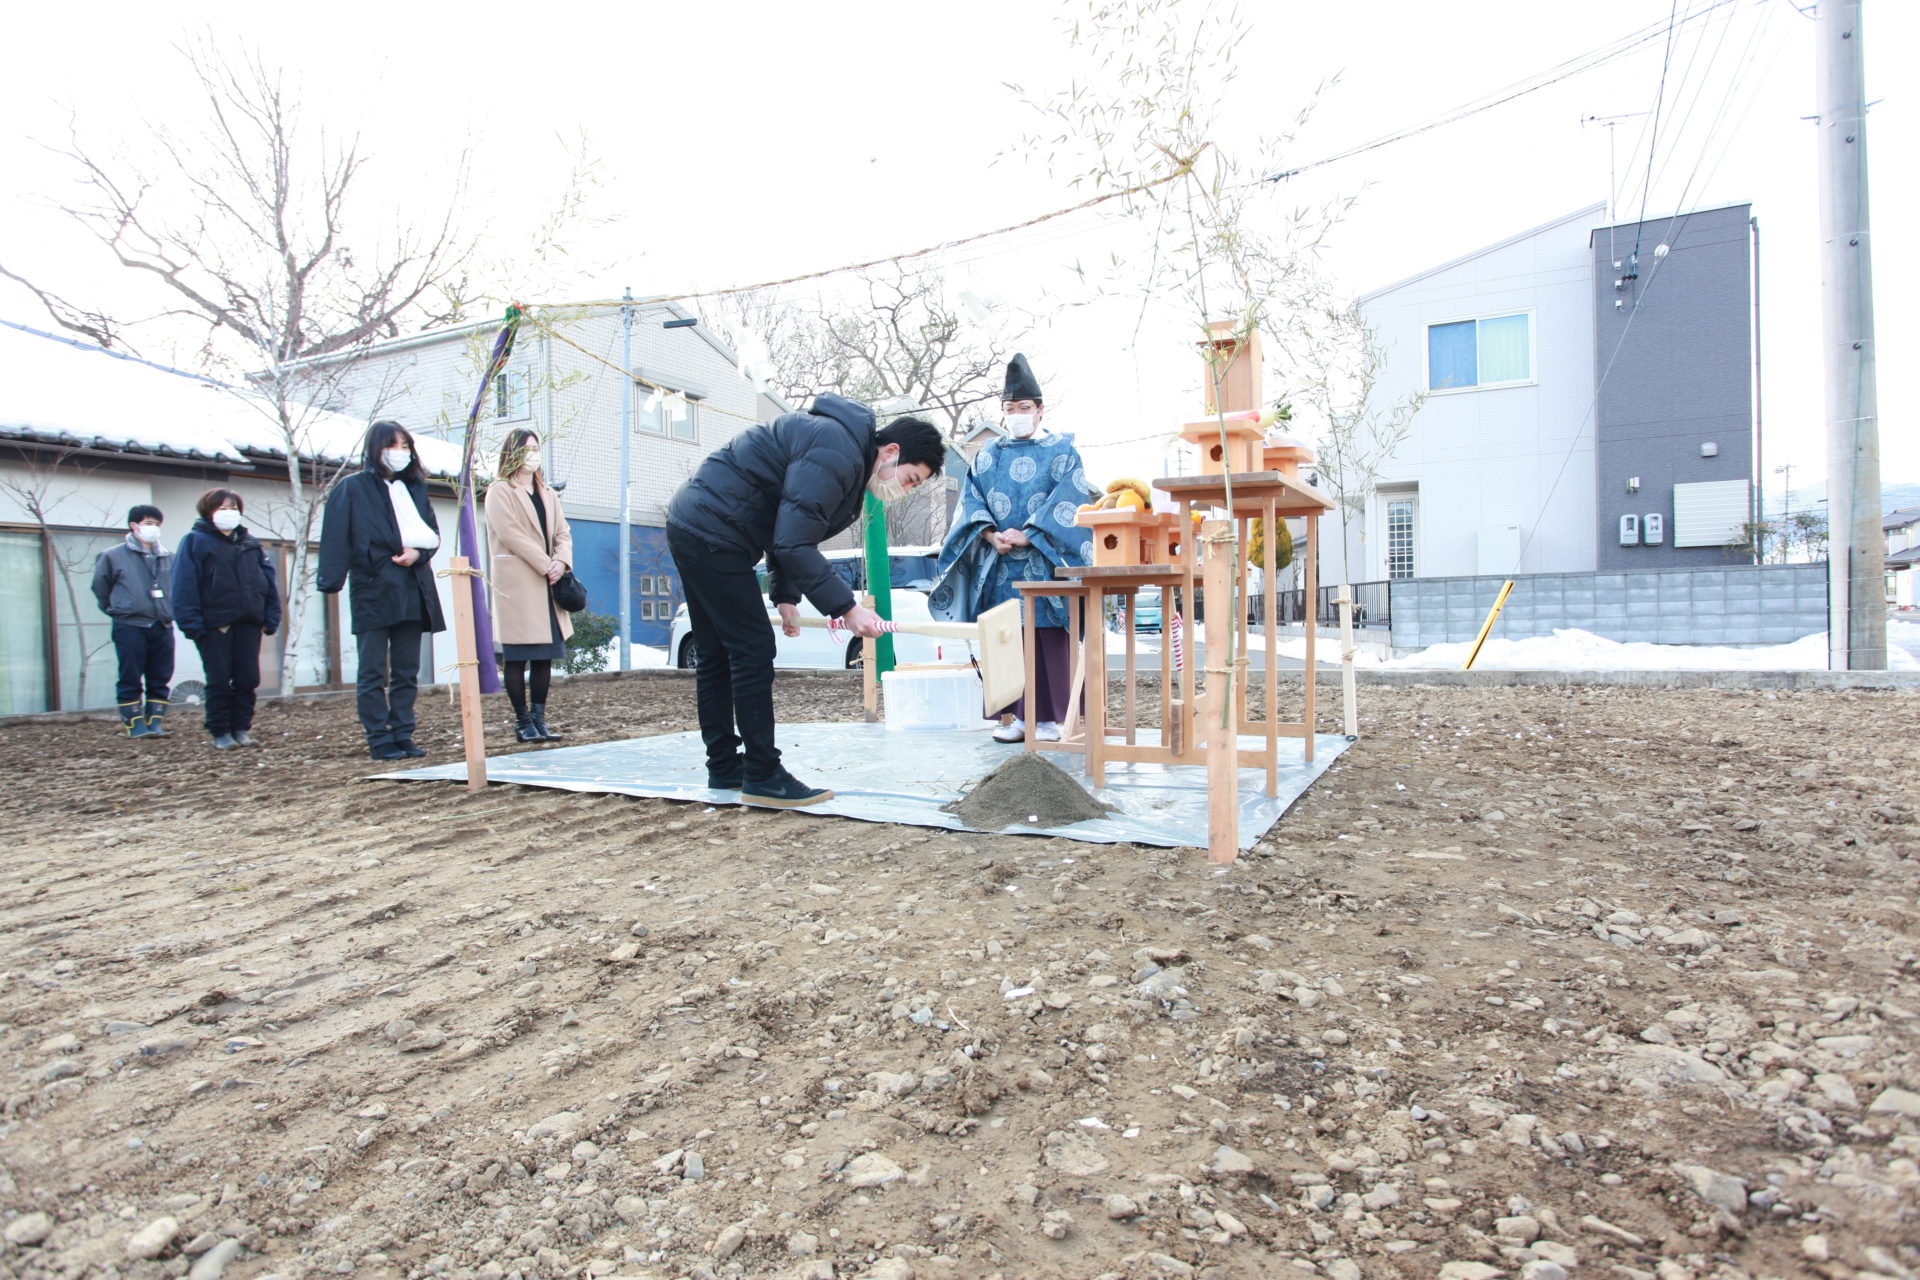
(916, 700)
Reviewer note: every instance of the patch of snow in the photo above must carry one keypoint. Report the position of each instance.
(85, 396)
(1575, 650)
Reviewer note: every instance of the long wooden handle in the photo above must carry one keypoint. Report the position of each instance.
(939, 630)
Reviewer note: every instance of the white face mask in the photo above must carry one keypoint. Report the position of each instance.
(147, 533)
(1021, 426)
(396, 460)
(532, 460)
(226, 519)
(892, 489)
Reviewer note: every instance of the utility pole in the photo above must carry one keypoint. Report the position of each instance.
(626, 481)
(1856, 556)
(1759, 504)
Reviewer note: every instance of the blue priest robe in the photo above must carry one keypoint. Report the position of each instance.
(1036, 486)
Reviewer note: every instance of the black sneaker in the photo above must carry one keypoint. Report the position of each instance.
(783, 792)
(406, 748)
(385, 752)
(728, 776)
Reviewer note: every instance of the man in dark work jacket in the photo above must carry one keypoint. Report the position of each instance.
(779, 491)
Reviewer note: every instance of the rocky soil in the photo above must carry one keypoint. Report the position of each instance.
(1535, 983)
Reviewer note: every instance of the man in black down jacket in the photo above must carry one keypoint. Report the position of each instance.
(779, 491)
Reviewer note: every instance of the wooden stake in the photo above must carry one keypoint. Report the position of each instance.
(869, 673)
(1223, 781)
(472, 728)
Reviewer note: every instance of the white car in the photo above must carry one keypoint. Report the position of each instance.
(816, 647)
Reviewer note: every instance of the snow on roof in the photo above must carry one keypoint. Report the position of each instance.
(60, 391)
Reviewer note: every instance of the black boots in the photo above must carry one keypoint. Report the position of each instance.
(531, 725)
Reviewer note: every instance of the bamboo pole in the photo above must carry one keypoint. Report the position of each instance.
(1312, 594)
(472, 729)
(1268, 599)
(1486, 628)
(1350, 712)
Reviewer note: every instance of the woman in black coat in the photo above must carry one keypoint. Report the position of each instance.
(377, 540)
(226, 595)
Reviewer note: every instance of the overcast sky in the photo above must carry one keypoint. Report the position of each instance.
(741, 142)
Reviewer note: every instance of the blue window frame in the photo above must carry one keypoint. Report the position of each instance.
(1496, 351)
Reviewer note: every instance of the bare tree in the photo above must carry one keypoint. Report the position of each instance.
(898, 336)
(1149, 120)
(897, 341)
(1336, 361)
(38, 494)
(248, 227)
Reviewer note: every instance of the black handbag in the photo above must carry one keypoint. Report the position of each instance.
(569, 594)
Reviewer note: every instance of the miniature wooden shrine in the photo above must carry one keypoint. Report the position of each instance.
(1126, 537)
(1241, 480)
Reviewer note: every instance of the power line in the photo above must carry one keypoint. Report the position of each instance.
(1520, 89)
(1653, 139)
(1593, 403)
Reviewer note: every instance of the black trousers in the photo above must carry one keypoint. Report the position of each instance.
(232, 661)
(146, 661)
(734, 679)
(389, 681)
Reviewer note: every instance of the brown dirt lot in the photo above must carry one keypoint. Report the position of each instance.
(1538, 981)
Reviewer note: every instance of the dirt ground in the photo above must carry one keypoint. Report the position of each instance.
(1534, 983)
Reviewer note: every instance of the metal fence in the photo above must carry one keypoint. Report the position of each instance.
(1372, 606)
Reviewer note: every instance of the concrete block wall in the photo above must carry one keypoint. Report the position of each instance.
(1724, 605)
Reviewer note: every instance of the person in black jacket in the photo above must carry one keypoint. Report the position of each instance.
(226, 595)
(377, 539)
(778, 490)
(132, 582)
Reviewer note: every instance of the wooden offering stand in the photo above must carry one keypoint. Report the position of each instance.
(1135, 549)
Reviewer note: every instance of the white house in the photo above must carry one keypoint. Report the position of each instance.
(1589, 394)
(1511, 325)
(85, 434)
(568, 388)
(1902, 530)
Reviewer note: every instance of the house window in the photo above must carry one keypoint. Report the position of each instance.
(510, 399)
(646, 611)
(1492, 352)
(646, 584)
(675, 417)
(1401, 514)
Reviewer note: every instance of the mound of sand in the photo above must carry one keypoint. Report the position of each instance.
(1026, 790)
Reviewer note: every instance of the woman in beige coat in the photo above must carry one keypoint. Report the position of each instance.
(532, 547)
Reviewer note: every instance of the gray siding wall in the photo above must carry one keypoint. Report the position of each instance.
(1726, 604)
(1680, 352)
